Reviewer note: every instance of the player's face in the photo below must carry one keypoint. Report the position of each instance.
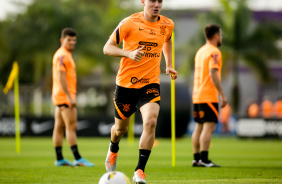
(219, 41)
(69, 42)
(152, 7)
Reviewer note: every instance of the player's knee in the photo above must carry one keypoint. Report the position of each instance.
(72, 126)
(121, 132)
(213, 129)
(150, 124)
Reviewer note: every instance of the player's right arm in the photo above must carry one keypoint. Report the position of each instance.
(215, 80)
(63, 81)
(121, 32)
(111, 49)
(62, 71)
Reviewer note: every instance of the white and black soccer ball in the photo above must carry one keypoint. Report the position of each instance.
(114, 177)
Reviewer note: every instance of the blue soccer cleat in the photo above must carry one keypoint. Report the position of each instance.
(63, 162)
(83, 162)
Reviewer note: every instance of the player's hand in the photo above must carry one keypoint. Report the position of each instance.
(172, 72)
(72, 102)
(223, 101)
(137, 54)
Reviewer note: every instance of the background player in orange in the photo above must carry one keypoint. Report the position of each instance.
(206, 89)
(145, 35)
(63, 96)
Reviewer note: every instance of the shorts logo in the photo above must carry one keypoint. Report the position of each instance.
(153, 90)
(195, 114)
(163, 31)
(126, 107)
(134, 80)
(201, 114)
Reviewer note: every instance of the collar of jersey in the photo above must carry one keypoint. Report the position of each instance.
(65, 49)
(148, 22)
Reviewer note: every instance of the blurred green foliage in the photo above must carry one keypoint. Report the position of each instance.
(31, 38)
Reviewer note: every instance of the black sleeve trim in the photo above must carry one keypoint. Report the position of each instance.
(117, 36)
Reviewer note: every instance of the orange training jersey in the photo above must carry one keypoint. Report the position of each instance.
(136, 32)
(208, 57)
(63, 61)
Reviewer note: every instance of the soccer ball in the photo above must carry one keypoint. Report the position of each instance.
(114, 177)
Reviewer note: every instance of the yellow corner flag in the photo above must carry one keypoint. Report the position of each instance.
(14, 73)
(13, 78)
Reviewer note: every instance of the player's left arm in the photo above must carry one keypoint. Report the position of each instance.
(216, 81)
(167, 50)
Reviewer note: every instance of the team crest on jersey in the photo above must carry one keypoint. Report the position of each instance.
(163, 30)
(126, 107)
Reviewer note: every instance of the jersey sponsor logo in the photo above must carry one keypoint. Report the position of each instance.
(126, 107)
(153, 90)
(135, 80)
(151, 44)
(152, 54)
(148, 48)
(163, 30)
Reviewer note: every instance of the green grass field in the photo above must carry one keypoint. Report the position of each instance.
(243, 161)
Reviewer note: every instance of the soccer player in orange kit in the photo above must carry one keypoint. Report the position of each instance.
(63, 96)
(207, 87)
(145, 36)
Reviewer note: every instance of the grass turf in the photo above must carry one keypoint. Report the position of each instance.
(243, 161)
